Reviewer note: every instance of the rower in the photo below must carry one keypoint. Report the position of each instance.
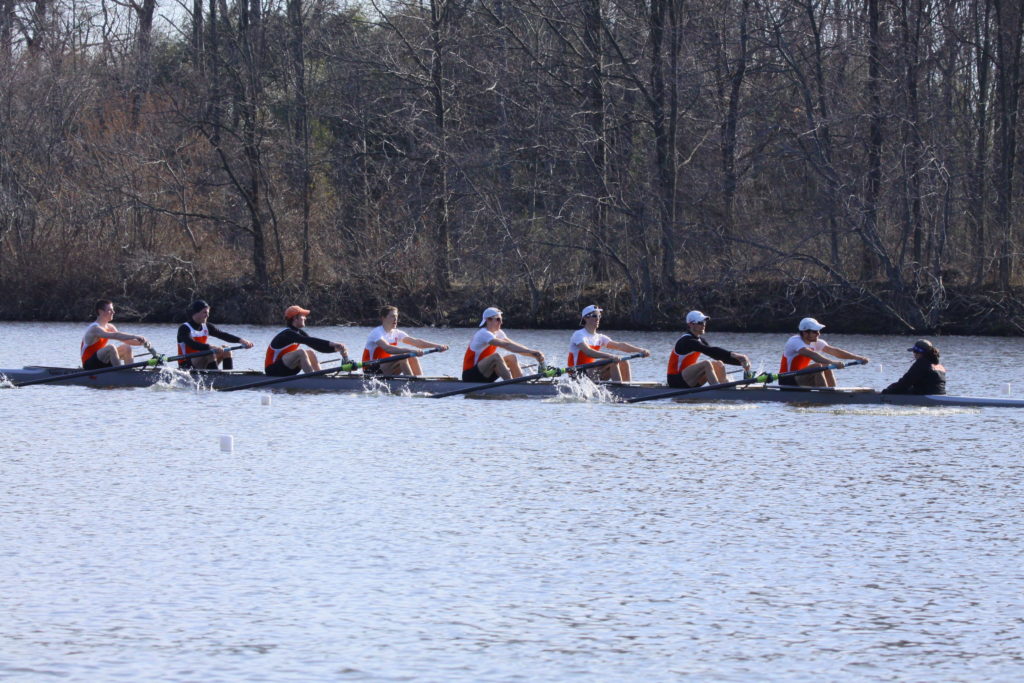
(805, 350)
(926, 376)
(482, 363)
(96, 353)
(686, 370)
(193, 335)
(384, 341)
(284, 357)
(587, 343)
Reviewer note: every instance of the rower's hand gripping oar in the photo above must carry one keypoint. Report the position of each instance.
(546, 372)
(152, 362)
(762, 378)
(347, 365)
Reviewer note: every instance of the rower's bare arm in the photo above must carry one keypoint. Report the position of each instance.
(840, 353)
(597, 353)
(392, 349)
(130, 339)
(510, 345)
(815, 356)
(424, 344)
(628, 348)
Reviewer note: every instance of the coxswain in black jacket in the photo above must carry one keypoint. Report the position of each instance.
(925, 376)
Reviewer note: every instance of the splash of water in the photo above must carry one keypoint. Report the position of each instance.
(570, 390)
(373, 385)
(913, 411)
(5, 383)
(173, 379)
(716, 406)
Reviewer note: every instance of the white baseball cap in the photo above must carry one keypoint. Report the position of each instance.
(491, 312)
(696, 317)
(590, 309)
(810, 324)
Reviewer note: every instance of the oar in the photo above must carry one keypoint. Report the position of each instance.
(547, 372)
(346, 366)
(152, 362)
(763, 378)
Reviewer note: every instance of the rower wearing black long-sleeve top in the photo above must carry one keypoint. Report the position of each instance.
(926, 376)
(284, 357)
(685, 370)
(193, 337)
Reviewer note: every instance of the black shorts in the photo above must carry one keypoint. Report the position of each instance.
(279, 369)
(373, 369)
(474, 375)
(190, 363)
(95, 363)
(677, 382)
(788, 382)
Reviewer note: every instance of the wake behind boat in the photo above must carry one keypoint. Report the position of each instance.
(541, 388)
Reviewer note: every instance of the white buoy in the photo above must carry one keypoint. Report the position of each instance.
(1008, 389)
(265, 400)
(227, 443)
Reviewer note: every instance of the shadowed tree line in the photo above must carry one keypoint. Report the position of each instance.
(764, 159)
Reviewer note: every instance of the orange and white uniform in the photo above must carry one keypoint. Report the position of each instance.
(680, 359)
(195, 336)
(480, 347)
(88, 351)
(791, 360)
(581, 342)
(283, 342)
(372, 350)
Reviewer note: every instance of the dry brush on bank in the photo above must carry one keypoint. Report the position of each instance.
(657, 154)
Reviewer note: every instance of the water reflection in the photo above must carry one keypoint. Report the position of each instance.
(372, 537)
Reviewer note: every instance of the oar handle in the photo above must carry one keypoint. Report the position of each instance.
(152, 362)
(763, 378)
(602, 362)
(350, 365)
(546, 372)
(346, 366)
(774, 377)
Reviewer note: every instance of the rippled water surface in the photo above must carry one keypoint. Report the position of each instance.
(383, 538)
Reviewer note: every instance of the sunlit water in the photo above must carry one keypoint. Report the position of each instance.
(396, 538)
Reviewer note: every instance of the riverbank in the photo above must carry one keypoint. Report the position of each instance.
(750, 307)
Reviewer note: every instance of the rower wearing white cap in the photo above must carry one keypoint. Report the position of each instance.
(482, 362)
(685, 369)
(806, 350)
(587, 343)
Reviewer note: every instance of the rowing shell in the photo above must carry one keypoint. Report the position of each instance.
(543, 389)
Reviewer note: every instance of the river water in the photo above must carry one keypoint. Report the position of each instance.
(385, 538)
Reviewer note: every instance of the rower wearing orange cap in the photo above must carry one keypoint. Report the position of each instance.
(284, 357)
(805, 350)
(587, 343)
(685, 369)
(482, 362)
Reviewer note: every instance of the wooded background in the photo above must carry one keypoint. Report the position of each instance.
(764, 159)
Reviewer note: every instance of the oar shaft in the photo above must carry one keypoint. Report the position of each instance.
(763, 378)
(551, 372)
(346, 366)
(159, 360)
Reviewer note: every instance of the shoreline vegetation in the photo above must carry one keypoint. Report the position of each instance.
(855, 161)
(766, 308)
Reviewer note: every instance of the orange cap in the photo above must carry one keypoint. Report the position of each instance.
(293, 311)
